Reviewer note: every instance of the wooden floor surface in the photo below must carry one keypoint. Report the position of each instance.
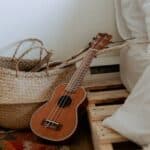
(82, 138)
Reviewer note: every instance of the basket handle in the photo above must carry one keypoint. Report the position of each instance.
(45, 59)
(20, 43)
(73, 59)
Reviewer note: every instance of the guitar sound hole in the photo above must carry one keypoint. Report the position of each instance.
(64, 101)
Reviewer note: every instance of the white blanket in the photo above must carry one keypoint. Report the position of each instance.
(133, 119)
(130, 18)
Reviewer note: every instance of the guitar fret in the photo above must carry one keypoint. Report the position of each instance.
(81, 71)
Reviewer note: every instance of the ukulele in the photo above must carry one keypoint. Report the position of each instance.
(57, 119)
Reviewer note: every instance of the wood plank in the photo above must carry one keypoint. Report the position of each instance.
(100, 112)
(106, 147)
(102, 81)
(101, 97)
(107, 135)
(109, 90)
(82, 138)
(100, 77)
(95, 137)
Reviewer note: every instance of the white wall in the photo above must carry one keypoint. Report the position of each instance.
(64, 25)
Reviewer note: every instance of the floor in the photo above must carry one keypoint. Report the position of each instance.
(82, 139)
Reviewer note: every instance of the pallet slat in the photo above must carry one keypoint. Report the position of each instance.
(107, 135)
(101, 112)
(101, 77)
(102, 135)
(102, 81)
(106, 96)
(106, 147)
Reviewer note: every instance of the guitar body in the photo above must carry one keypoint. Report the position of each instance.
(55, 121)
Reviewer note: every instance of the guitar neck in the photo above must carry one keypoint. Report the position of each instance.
(78, 76)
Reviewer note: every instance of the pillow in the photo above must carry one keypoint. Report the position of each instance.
(134, 17)
(146, 10)
(132, 119)
(130, 18)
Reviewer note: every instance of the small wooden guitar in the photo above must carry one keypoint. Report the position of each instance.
(57, 119)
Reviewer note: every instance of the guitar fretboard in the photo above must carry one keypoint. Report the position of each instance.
(78, 76)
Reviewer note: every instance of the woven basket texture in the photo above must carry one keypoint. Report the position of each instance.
(22, 91)
(20, 96)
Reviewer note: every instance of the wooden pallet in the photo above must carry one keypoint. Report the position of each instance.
(105, 95)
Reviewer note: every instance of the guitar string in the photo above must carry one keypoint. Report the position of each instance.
(53, 111)
(63, 104)
(60, 112)
(87, 64)
(63, 101)
(57, 114)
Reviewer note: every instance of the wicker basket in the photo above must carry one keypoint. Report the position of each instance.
(22, 91)
(16, 114)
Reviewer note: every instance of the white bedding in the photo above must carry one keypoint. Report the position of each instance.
(132, 119)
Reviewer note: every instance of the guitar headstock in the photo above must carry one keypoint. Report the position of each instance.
(100, 41)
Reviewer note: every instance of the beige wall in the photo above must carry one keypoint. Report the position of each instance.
(64, 25)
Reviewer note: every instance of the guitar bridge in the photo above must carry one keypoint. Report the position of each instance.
(51, 124)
